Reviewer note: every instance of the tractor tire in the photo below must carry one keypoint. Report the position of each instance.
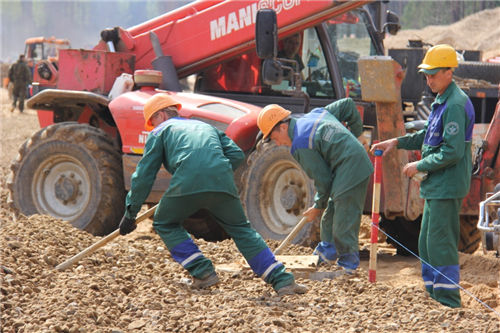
(470, 236)
(479, 70)
(404, 234)
(73, 172)
(274, 192)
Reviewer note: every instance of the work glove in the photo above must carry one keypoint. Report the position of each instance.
(127, 225)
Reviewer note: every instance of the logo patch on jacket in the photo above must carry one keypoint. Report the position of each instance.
(328, 134)
(452, 128)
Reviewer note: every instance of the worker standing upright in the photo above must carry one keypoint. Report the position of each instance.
(201, 160)
(445, 143)
(20, 76)
(339, 166)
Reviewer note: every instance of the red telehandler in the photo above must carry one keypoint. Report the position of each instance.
(78, 166)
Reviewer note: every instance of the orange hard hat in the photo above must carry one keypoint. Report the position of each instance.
(156, 103)
(269, 116)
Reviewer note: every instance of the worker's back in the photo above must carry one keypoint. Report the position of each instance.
(195, 154)
(341, 153)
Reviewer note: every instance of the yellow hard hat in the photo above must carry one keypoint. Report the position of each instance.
(269, 116)
(155, 104)
(437, 57)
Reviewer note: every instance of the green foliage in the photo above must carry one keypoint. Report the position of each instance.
(38, 13)
(80, 21)
(153, 9)
(419, 14)
(123, 10)
(13, 7)
(80, 12)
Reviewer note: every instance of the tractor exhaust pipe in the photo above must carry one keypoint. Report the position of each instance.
(164, 64)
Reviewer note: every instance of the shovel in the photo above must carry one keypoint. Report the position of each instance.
(92, 248)
(304, 267)
(291, 235)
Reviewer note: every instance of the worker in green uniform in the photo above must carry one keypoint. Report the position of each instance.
(445, 143)
(20, 76)
(201, 160)
(339, 166)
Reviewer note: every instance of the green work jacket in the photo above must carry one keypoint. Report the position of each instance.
(199, 157)
(445, 143)
(328, 153)
(346, 112)
(20, 74)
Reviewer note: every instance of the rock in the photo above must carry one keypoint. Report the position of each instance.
(14, 245)
(18, 324)
(176, 315)
(6, 270)
(141, 292)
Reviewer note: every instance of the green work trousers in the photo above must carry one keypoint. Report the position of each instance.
(229, 214)
(18, 94)
(438, 249)
(340, 223)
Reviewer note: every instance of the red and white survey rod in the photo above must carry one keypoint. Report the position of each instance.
(377, 183)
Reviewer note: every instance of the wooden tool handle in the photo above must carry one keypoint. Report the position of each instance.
(92, 248)
(291, 235)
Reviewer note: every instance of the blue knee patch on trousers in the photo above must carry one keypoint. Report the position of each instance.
(326, 251)
(450, 275)
(263, 263)
(441, 277)
(185, 252)
(427, 275)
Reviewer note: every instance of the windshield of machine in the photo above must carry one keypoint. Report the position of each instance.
(350, 40)
(300, 53)
(52, 50)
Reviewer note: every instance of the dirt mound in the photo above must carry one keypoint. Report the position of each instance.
(479, 31)
(133, 285)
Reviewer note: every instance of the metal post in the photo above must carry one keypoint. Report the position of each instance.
(377, 181)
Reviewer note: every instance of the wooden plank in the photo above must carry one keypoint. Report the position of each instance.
(299, 262)
(303, 267)
(292, 263)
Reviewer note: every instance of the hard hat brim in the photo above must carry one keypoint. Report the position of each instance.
(266, 136)
(429, 71)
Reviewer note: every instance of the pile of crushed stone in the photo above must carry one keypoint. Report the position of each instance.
(133, 285)
(479, 31)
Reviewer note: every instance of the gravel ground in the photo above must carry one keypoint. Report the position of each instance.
(133, 285)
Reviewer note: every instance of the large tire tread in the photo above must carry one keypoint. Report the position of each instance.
(406, 233)
(253, 183)
(479, 70)
(470, 236)
(103, 151)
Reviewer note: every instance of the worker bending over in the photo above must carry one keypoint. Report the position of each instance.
(339, 166)
(445, 143)
(201, 160)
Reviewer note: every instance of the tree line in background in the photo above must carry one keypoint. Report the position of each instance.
(81, 21)
(419, 14)
(45, 13)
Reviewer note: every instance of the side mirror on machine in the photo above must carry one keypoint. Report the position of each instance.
(392, 25)
(266, 34)
(266, 42)
(272, 72)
